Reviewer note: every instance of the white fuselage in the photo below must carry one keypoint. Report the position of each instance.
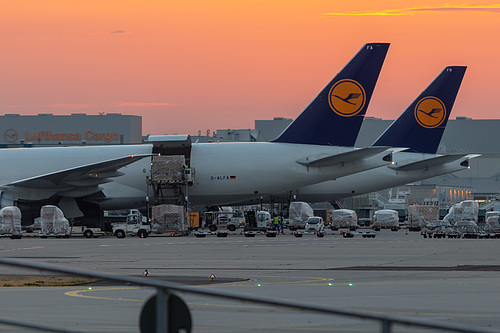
(375, 179)
(223, 172)
(230, 172)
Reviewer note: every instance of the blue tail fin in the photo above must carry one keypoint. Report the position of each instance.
(421, 126)
(334, 117)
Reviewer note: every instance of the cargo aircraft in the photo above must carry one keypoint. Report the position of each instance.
(315, 146)
(82, 180)
(420, 129)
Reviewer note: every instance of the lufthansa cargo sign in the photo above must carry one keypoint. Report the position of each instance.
(10, 136)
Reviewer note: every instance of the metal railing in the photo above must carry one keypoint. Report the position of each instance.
(386, 322)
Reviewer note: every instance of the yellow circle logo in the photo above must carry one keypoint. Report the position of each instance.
(430, 112)
(347, 98)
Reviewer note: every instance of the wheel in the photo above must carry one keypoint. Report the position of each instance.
(120, 234)
(212, 227)
(231, 227)
(88, 234)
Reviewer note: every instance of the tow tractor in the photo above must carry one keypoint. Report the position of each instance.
(135, 225)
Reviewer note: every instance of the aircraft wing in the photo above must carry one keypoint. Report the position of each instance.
(337, 159)
(89, 175)
(430, 162)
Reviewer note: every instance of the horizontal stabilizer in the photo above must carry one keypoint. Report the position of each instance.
(85, 175)
(340, 159)
(428, 163)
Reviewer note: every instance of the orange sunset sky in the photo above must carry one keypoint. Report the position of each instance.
(189, 65)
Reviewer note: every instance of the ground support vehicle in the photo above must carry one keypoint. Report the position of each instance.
(202, 233)
(252, 233)
(300, 233)
(453, 233)
(134, 226)
(433, 233)
(257, 222)
(470, 234)
(221, 233)
(87, 232)
(225, 219)
(492, 235)
(271, 233)
(315, 224)
(347, 234)
(368, 234)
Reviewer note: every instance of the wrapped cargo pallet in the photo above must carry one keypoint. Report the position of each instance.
(467, 210)
(492, 220)
(467, 227)
(168, 218)
(53, 222)
(421, 215)
(298, 214)
(344, 218)
(386, 218)
(168, 168)
(10, 221)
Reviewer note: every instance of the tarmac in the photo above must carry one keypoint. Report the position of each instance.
(397, 273)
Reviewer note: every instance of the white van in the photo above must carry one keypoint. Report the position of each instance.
(315, 224)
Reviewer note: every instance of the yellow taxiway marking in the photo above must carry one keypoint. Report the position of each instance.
(78, 293)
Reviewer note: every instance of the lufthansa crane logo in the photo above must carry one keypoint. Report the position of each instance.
(347, 98)
(430, 112)
(10, 135)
